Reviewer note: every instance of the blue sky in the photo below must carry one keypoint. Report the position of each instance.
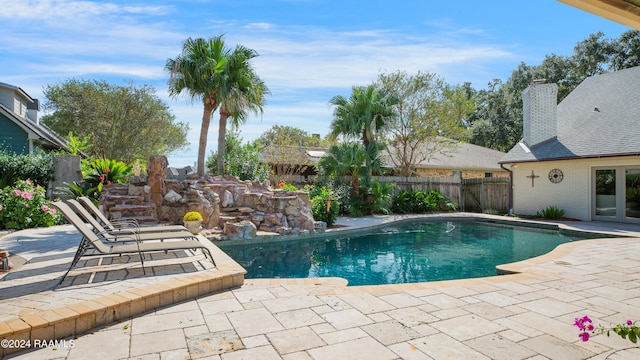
(310, 50)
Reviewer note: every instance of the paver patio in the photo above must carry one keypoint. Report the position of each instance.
(522, 316)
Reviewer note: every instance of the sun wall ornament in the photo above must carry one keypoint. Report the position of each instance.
(555, 176)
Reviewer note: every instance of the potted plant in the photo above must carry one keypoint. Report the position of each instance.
(192, 221)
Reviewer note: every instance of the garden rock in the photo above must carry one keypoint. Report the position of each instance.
(241, 230)
(172, 197)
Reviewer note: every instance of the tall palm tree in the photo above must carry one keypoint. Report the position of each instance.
(199, 71)
(363, 114)
(241, 91)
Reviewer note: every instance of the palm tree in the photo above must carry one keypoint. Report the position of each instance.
(350, 159)
(199, 71)
(241, 91)
(363, 114)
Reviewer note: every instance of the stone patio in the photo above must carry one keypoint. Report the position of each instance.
(522, 316)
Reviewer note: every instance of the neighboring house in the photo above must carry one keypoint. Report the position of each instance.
(465, 161)
(20, 129)
(292, 160)
(582, 155)
(462, 161)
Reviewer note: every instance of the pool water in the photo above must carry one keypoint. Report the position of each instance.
(403, 253)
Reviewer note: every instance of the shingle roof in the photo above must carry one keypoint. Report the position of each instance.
(294, 155)
(600, 118)
(464, 156)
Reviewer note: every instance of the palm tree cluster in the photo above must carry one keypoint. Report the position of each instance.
(222, 78)
(357, 120)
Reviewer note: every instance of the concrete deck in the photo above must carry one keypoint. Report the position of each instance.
(180, 309)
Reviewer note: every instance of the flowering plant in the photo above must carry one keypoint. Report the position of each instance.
(26, 206)
(287, 187)
(192, 216)
(627, 330)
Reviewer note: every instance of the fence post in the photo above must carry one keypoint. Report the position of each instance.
(482, 196)
(460, 191)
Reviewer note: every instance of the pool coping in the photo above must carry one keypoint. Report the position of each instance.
(384, 221)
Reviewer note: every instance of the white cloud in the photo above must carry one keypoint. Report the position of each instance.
(61, 10)
(304, 66)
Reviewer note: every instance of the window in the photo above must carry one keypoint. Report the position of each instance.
(488, 175)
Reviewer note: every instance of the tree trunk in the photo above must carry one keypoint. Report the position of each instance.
(222, 131)
(204, 132)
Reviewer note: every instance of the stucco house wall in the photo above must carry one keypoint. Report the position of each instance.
(573, 194)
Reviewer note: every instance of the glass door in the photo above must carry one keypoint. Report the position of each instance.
(605, 187)
(632, 194)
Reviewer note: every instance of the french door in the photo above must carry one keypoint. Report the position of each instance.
(616, 194)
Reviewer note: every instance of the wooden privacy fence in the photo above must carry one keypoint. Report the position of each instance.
(472, 195)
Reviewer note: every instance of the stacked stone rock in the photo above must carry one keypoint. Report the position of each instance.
(220, 200)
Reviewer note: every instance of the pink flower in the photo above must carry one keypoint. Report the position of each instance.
(38, 186)
(52, 211)
(582, 323)
(45, 208)
(26, 195)
(107, 170)
(17, 192)
(101, 177)
(26, 205)
(28, 182)
(0, 207)
(629, 322)
(584, 336)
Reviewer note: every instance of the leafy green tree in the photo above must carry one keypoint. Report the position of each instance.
(198, 71)
(241, 160)
(626, 51)
(283, 135)
(124, 122)
(241, 91)
(429, 114)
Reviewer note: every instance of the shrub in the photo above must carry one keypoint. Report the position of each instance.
(324, 205)
(25, 206)
(105, 171)
(36, 167)
(551, 212)
(380, 197)
(241, 160)
(420, 201)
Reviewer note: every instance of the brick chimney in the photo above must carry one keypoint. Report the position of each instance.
(539, 104)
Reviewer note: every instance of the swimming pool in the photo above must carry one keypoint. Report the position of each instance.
(403, 253)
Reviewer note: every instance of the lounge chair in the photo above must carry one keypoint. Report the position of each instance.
(120, 233)
(98, 243)
(114, 226)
